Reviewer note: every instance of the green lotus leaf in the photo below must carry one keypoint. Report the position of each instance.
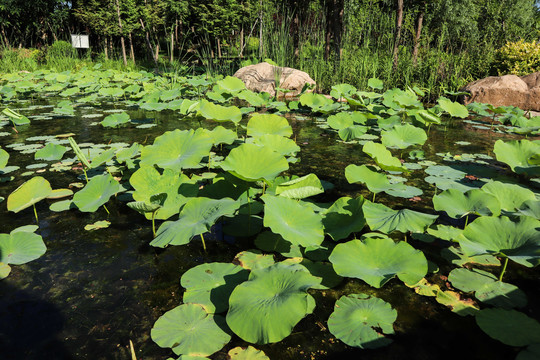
(210, 285)
(263, 124)
(254, 99)
(219, 113)
(278, 143)
(532, 352)
(220, 135)
(502, 295)
(115, 120)
(452, 299)
(124, 154)
(271, 242)
(375, 182)
(361, 321)
(197, 217)
(510, 327)
(78, 152)
(445, 232)
(147, 182)
(4, 157)
(456, 257)
(519, 241)
(5, 269)
(427, 117)
(403, 136)
(249, 353)
(376, 261)
(266, 308)
(352, 132)
(102, 224)
(29, 193)
(20, 247)
(251, 162)
(154, 106)
(315, 101)
(111, 91)
(381, 218)
(16, 118)
(375, 83)
(470, 280)
(383, 157)
(301, 187)
(296, 223)
(342, 89)
(231, 84)
(453, 108)
(458, 204)
(340, 121)
(178, 149)
(253, 259)
(97, 192)
(519, 155)
(344, 217)
(322, 270)
(530, 208)
(510, 196)
(189, 330)
(50, 152)
(169, 95)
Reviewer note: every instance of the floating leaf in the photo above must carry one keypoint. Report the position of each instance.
(519, 155)
(4, 157)
(115, 120)
(453, 300)
(271, 242)
(253, 259)
(278, 143)
(301, 187)
(296, 223)
(381, 218)
(20, 247)
(250, 162)
(403, 136)
(266, 308)
(361, 321)
(262, 124)
(375, 182)
(453, 108)
(102, 224)
(50, 152)
(458, 204)
(510, 196)
(210, 285)
(249, 353)
(344, 217)
(5, 269)
(383, 157)
(29, 193)
(376, 261)
(188, 329)
(510, 327)
(220, 113)
(96, 193)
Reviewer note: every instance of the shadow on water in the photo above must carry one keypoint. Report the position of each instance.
(29, 326)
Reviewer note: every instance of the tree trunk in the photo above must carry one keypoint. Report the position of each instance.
(131, 49)
(417, 38)
(105, 49)
(218, 48)
(122, 43)
(261, 30)
(399, 23)
(148, 44)
(334, 27)
(172, 45)
(240, 54)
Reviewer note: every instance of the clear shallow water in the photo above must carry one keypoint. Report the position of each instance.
(93, 292)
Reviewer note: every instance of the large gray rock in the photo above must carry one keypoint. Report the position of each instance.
(261, 78)
(507, 90)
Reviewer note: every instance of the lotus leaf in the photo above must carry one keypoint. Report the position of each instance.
(102, 224)
(115, 120)
(210, 285)
(342, 89)
(381, 218)
(50, 152)
(322, 270)
(250, 162)
(510, 327)
(253, 259)
(532, 352)
(344, 217)
(232, 84)
(383, 157)
(519, 241)
(403, 136)
(4, 157)
(445, 232)
(375, 83)
(219, 113)
(262, 124)
(153, 106)
(196, 218)
(21, 246)
(453, 108)
(220, 135)
(301, 187)
(78, 152)
(252, 98)
(96, 193)
(352, 132)
(279, 144)
(178, 149)
(315, 101)
(29, 193)
(270, 242)
(296, 223)
(249, 353)
(474, 201)
(188, 329)
(266, 308)
(375, 182)
(376, 261)
(5, 269)
(530, 208)
(427, 117)
(125, 154)
(340, 121)
(519, 155)
(147, 182)
(16, 118)
(361, 321)
(487, 289)
(243, 225)
(453, 300)
(456, 257)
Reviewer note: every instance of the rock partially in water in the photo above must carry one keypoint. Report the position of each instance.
(262, 78)
(507, 90)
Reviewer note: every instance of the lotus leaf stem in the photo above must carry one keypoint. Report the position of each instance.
(203, 243)
(466, 220)
(504, 268)
(154, 223)
(35, 214)
(373, 200)
(107, 210)
(85, 175)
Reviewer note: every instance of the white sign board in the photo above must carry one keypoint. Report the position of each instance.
(80, 41)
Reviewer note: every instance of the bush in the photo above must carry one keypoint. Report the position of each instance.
(60, 50)
(12, 60)
(518, 58)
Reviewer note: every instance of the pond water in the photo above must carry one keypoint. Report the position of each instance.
(94, 291)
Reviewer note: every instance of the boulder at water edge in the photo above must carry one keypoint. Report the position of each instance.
(261, 78)
(507, 90)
